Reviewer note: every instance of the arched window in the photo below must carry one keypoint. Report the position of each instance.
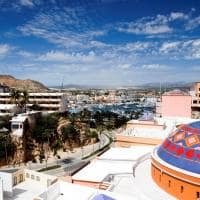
(182, 189)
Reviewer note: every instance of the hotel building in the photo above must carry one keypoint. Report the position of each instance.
(48, 101)
(195, 93)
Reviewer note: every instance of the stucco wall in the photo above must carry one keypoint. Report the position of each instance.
(128, 141)
(7, 183)
(176, 106)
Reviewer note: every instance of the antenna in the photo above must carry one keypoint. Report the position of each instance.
(61, 88)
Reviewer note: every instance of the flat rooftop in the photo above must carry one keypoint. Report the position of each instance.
(170, 124)
(134, 182)
(67, 191)
(141, 186)
(11, 171)
(114, 161)
(26, 190)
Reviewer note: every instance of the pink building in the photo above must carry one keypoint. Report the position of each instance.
(175, 104)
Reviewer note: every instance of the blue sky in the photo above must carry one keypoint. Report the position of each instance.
(100, 42)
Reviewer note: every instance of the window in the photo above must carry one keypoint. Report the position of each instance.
(32, 177)
(37, 178)
(27, 175)
(182, 188)
(21, 178)
(169, 183)
(15, 180)
(15, 126)
(160, 178)
(198, 195)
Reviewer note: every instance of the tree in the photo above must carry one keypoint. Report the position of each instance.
(85, 115)
(24, 99)
(7, 147)
(20, 98)
(45, 132)
(5, 121)
(15, 97)
(92, 135)
(35, 107)
(70, 134)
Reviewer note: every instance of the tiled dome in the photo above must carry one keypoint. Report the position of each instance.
(182, 148)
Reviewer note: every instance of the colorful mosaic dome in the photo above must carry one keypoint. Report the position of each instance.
(182, 148)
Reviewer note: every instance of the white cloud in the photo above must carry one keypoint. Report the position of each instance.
(4, 49)
(178, 15)
(193, 23)
(154, 66)
(25, 54)
(159, 24)
(125, 66)
(59, 56)
(169, 46)
(147, 25)
(182, 49)
(28, 3)
(138, 46)
(194, 49)
(68, 28)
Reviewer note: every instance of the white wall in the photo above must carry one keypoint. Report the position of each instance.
(51, 193)
(7, 182)
(1, 189)
(43, 179)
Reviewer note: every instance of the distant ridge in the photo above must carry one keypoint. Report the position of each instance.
(30, 85)
(167, 85)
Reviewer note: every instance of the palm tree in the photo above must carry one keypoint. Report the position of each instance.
(85, 115)
(67, 134)
(15, 97)
(24, 99)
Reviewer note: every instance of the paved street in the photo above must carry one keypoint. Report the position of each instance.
(69, 161)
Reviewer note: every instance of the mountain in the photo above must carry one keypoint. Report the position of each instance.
(166, 85)
(30, 85)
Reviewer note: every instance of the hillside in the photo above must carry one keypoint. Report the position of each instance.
(30, 85)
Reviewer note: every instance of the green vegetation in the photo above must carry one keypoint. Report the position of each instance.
(20, 99)
(70, 135)
(7, 148)
(49, 168)
(53, 132)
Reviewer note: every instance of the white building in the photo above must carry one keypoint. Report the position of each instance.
(66, 191)
(23, 184)
(17, 125)
(47, 101)
(124, 171)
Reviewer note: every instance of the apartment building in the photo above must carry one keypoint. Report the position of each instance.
(48, 101)
(195, 93)
(174, 104)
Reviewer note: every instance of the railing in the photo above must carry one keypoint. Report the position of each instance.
(140, 160)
